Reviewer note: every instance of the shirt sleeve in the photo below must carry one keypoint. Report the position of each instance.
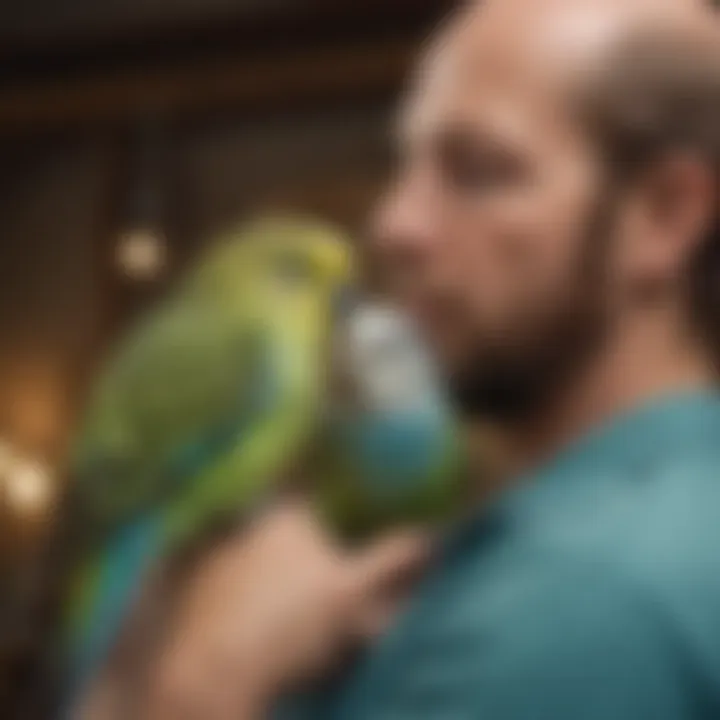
(568, 645)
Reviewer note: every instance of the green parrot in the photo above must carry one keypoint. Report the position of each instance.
(264, 359)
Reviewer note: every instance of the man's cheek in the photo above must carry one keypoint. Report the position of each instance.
(455, 341)
(494, 270)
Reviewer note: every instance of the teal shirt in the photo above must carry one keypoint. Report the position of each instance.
(589, 592)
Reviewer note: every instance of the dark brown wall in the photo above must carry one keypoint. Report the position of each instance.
(326, 162)
(51, 196)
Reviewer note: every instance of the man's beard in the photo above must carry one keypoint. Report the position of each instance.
(513, 382)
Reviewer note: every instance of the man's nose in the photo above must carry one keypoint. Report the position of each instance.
(404, 222)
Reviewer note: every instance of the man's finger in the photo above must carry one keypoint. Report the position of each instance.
(392, 560)
(382, 576)
(376, 616)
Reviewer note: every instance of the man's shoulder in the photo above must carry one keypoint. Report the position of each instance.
(653, 521)
(656, 532)
(609, 616)
(571, 631)
(641, 559)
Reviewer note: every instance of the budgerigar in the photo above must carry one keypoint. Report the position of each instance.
(263, 355)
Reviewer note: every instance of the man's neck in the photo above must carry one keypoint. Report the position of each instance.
(641, 364)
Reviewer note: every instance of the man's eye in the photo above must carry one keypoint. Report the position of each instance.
(468, 172)
(472, 166)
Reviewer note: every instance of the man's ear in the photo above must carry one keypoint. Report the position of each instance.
(681, 198)
(666, 212)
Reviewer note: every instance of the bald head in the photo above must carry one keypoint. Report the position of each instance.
(570, 32)
(520, 232)
(559, 41)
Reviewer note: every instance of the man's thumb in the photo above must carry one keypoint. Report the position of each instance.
(391, 561)
(392, 558)
(383, 574)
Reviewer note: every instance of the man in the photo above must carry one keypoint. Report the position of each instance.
(553, 226)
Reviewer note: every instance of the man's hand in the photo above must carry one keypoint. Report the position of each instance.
(274, 605)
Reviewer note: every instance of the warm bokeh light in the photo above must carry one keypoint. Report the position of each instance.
(142, 254)
(26, 484)
(28, 487)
